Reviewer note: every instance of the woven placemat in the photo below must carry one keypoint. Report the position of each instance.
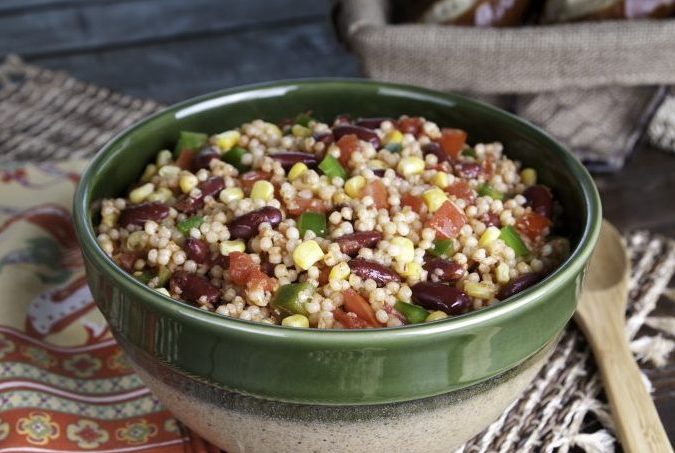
(48, 115)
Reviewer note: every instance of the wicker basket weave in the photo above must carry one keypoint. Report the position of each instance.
(592, 85)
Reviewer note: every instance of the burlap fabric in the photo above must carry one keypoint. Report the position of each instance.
(586, 72)
(562, 408)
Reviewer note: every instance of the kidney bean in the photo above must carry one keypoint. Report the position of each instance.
(362, 133)
(435, 149)
(196, 250)
(289, 159)
(441, 270)
(192, 287)
(519, 284)
(210, 187)
(203, 157)
(468, 169)
(439, 296)
(540, 199)
(246, 226)
(371, 123)
(375, 271)
(126, 260)
(267, 268)
(491, 219)
(141, 213)
(326, 138)
(350, 244)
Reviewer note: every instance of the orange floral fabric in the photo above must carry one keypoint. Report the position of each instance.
(64, 384)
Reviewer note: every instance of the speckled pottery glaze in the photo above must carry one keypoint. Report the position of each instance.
(251, 387)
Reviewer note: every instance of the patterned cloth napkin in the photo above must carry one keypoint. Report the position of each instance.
(64, 384)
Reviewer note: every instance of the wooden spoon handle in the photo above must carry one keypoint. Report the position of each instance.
(637, 421)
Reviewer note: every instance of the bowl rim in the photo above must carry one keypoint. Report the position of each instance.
(214, 322)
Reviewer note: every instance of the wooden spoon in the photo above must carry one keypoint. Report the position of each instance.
(601, 314)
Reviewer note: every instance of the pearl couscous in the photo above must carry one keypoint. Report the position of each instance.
(376, 222)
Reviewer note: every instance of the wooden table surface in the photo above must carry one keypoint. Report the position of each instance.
(169, 50)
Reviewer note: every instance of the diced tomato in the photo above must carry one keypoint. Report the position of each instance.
(348, 144)
(355, 303)
(447, 221)
(461, 189)
(250, 177)
(532, 225)
(243, 271)
(412, 125)
(300, 205)
(453, 141)
(378, 192)
(488, 166)
(185, 159)
(323, 275)
(414, 202)
(349, 321)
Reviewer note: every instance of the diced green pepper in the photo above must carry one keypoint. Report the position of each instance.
(303, 119)
(143, 277)
(394, 147)
(287, 299)
(189, 140)
(469, 152)
(163, 276)
(511, 238)
(331, 167)
(234, 158)
(312, 221)
(413, 313)
(486, 189)
(184, 226)
(442, 247)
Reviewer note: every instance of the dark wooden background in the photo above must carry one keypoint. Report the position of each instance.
(169, 50)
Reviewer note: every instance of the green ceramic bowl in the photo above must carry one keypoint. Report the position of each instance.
(205, 357)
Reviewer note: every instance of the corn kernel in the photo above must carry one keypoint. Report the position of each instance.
(169, 171)
(272, 130)
(295, 321)
(406, 249)
(226, 140)
(440, 180)
(231, 194)
(394, 136)
(435, 316)
(296, 171)
(163, 194)
(410, 166)
(163, 291)
(150, 171)
(262, 190)
(479, 290)
(227, 247)
(164, 157)
(141, 193)
(187, 182)
(412, 270)
(135, 240)
(529, 176)
(502, 273)
(306, 254)
(354, 185)
(490, 235)
(434, 198)
(300, 131)
(377, 164)
(339, 272)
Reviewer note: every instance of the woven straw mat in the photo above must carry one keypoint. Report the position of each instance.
(47, 115)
